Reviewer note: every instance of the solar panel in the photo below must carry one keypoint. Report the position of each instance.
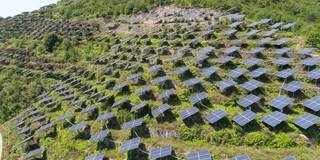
(154, 69)
(282, 41)
(120, 102)
(265, 20)
(120, 86)
(252, 62)
(287, 73)
(280, 102)
(35, 152)
(181, 70)
(192, 82)
(138, 107)
(209, 51)
(238, 72)
(200, 59)
(134, 76)
(270, 33)
(282, 51)
(306, 51)
(293, 86)
(282, 61)
(160, 110)
(257, 50)
(253, 24)
(248, 100)
(289, 158)
(160, 80)
(264, 41)
(277, 25)
(288, 26)
(223, 85)
(24, 130)
(245, 117)
(275, 118)
(88, 109)
(208, 72)
(198, 98)
(130, 145)
(258, 72)
(143, 90)
(96, 157)
(314, 74)
(201, 155)
(230, 32)
(241, 157)
(252, 33)
(45, 127)
(99, 136)
(235, 16)
(310, 61)
(225, 60)
(105, 116)
(167, 94)
(77, 127)
(63, 117)
(235, 24)
(161, 152)
(307, 120)
(231, 50)
(188, 113)
(216, 115)
(313, 103)
(251, 85)
(132, 124)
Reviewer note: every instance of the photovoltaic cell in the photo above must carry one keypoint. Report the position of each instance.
(238, 72)
(192, 82)
(160, 80)
(120, 102)
(130, 145)
(161, 152)
(223, 85)
(281, 102)
(225, 60)
(198, 98)
(241, 157)
(181, 70)
(188, 113)
(245, 117)
(248, 100)
(99, 136)
(289, 158)
(310, 61)
(293, 86)
(270, 33)
(138, 107)
(288, 26)
(96, 157)
(64, 117)
(88, 109)
(208, 51)
(251, 85)
(201, 155)
(77, 127)
(216, 115)
(120, 86)
(235, 24)
(282, 41)
(258, 72)
(132, 124)
(35, 152)
(264, 41)
(230, 32)
(200, 59)
(208, 72)
(105, 116)
(287, 73)
(314, 74)
(275, 118)
(154, 69)
(282, 61)
(252, 33)
(231, 50)
(306, 51)
(252, 62)
(282, 51)
(277, 25)
(307, 120)
(157, 112)
(313, 103)
(167, 94)
(45, 127)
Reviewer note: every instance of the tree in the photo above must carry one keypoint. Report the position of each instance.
(51, 42)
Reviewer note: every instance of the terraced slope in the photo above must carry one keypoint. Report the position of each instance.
(166, 76)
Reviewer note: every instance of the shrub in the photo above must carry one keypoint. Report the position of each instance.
(51, 41)
(257, 138)
(191, 134)
(282, 141)
(226, 136)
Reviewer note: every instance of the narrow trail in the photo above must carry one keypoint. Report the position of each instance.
(0, 146)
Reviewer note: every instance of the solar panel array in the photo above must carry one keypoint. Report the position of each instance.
(245, 117)
(130, 145)
(188, 112)
(161, 152)
(307, 120)
(275, 118)
(216, 116)
(201, 155)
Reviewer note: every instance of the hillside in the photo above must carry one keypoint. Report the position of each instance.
(130, 79)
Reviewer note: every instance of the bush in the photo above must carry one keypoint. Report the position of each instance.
(282, 141)
(257, 138)
(51, 42)
(227, 136)
(191, 134)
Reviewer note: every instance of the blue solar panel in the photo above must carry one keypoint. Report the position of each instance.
(134, 76)
(306, 51)
(270, 33)
(225, 60)
(208, 51)
(281, 102)
(235, 24)
(245, 117)
(132, 124)
(264, 41)
(282, 41)
(282, 51)
(282, 61)
(120, 102)
(45, 127)
(181, 70)
(200, 59)
(252, 33)
(289, 158)
(167, 94)
(238, 72)
(63, 117)
(235, 16)
(120, 86)
(248, 101)
(155, 69)
(100, 156)
(160, 80)
(310, 61)
(143, 90)
(231, 50)
(257, 50)
(253, 24)
(105, 116)
(241, 157)
(208, 72)
(161, 152)
(288, 26)
(314, 74)
(293, 86)
(277, 25)
(287, 73)
(306, 121)
(157, 112)
(198, 98)
(130, 145)
(201, 155)
(99, 136)
(252, 62)
(35, 152)
(216, 115)
(258, 72)
(192, 82)
(188, 113)
(138, 107)
(230, 32)
(77, 127)
(275, 118)
(88, 109)
(313, 103)
(223, 85)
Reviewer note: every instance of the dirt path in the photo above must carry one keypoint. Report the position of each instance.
(0, 146)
